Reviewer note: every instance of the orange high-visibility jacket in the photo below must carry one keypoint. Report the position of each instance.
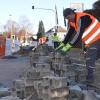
(42, 40)
(92, 32)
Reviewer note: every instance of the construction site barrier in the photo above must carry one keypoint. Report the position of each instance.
(2, 46)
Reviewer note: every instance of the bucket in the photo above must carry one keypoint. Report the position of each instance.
(2, 46)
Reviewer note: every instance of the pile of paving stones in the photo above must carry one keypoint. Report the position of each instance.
(50, 76)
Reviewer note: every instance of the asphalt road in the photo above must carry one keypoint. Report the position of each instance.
(11, 69)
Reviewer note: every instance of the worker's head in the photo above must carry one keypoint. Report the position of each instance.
(69, 14)
(55, 34)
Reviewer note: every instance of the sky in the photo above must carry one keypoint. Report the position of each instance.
(14, 9)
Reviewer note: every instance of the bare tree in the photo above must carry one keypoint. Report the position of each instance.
(25, 23)
(11, 26)
(26, 28)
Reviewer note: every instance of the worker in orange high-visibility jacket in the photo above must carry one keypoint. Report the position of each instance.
(85, 27)
(42, 40)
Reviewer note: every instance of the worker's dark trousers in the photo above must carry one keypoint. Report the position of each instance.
(92, 54)
(56, 44)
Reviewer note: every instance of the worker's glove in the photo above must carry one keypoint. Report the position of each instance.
(60, 47)
(66, 48)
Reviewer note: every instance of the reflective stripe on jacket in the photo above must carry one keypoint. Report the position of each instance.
(92, 32)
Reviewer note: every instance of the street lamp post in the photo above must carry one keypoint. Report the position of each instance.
(43, 9)
(55, 12)
(12, 36)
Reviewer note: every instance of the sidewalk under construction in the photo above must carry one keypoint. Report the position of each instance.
(52, 76)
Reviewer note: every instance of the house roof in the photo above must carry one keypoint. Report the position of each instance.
(61, 29)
